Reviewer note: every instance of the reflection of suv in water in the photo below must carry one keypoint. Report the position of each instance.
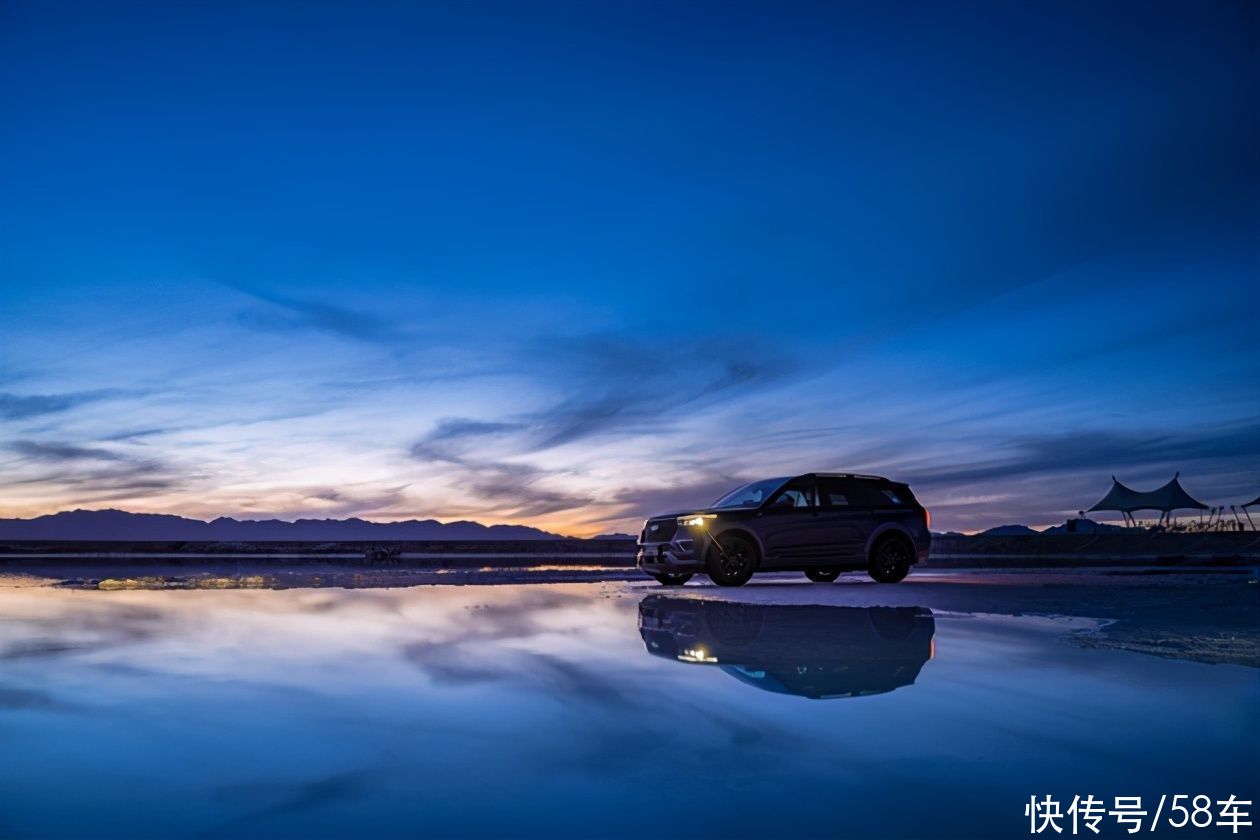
(820, 524)
(807, 650)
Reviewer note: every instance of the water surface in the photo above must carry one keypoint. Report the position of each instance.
(582, 709)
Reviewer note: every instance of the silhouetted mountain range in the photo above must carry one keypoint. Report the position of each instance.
(103, 525)
(1009, 531)
(1084, 526)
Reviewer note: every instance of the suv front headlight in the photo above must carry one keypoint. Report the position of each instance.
(695, 520)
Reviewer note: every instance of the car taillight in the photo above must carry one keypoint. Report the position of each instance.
(927, 518)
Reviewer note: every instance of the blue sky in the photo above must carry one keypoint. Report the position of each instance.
(571, 263)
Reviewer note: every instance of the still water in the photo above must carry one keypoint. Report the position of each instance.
(607, 709)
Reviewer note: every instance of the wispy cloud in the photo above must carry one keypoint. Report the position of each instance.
(513, 489)
(21, 407)
(132, 435)
(54, 451)
(521, 488)
(285, 313)
(354, 500)
(621, 383)
(1234, 446)
(612, 385)
(125, 481)
(92, 474)
(452, 438)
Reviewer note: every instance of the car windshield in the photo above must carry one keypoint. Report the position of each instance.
(751, 494)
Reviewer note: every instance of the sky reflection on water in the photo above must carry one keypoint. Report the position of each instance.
(540, 709)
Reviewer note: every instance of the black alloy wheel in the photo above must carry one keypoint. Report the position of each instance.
(890, 560)
(732, 560)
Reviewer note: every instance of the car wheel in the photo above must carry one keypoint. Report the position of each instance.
(890, 560)
(672, 578)
(732, 560)
(822, 575)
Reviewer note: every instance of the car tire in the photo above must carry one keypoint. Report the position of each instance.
(822, 575)
(890, 559)
(672, 578)
(732, 560)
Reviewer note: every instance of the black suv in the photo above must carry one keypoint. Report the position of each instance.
(821, 524)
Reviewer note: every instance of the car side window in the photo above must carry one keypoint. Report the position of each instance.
(794, 496)
(836, 493)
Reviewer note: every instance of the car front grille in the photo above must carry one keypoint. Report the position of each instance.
(660, 530)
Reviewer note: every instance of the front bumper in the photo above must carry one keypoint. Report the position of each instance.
(681, 554)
